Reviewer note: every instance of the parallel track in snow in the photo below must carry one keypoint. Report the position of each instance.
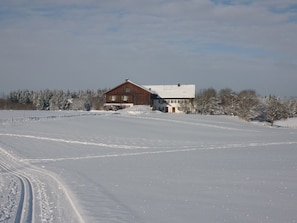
(28, 199)
(25, 207)
(25, 210)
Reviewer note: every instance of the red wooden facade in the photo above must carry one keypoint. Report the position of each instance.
(129, 93)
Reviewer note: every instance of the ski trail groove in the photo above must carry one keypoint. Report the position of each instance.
(34, 203)
(24, 211)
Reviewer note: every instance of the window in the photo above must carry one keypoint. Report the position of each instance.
(127, 90)
(124, 98)
(113, 98)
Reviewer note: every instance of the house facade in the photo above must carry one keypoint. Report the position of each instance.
(126, 95)
(166, 98)
(173, 98)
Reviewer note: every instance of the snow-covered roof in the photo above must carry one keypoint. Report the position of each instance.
(173, 91)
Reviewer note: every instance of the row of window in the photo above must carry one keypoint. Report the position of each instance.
(161, 101)
(165, 109)
(123, 98)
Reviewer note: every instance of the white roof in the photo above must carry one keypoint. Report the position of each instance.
(173, 91)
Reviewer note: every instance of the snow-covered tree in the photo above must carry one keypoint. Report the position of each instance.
(275, 109)
(206, 101)
(59, 101)
(186, 106)
(228, 100)
(248, 105)
(83, 100)
(291, 105)
(99, 99)
(77, 104)
(21, 96)
(41, 99)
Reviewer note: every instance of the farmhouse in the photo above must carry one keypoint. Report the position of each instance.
(167, 98)
(173, 98)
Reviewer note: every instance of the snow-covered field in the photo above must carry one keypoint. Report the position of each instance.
(141, 166)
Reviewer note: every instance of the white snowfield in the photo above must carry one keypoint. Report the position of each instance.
(140, 166)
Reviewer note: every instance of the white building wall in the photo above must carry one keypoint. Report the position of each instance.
(172, 97)
(170, 105)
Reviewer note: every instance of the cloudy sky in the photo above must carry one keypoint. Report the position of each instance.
(88, 44)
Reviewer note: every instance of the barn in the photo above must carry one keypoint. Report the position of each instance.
(128, 94)
(166, 98)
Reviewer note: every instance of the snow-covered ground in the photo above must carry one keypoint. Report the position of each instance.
(289, 123)
(136, 165)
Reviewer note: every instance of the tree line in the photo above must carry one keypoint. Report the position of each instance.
(246, 104)
(55, 100)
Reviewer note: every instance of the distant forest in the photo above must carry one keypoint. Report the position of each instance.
(54, 100)
(245, 104)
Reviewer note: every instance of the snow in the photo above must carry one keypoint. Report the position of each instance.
(138, 110)
(289, 123)
(173, 91)
(138, 165)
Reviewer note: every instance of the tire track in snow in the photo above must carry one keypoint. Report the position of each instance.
(74, 141)
(189, 149)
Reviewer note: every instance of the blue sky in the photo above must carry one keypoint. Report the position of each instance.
(86, 44)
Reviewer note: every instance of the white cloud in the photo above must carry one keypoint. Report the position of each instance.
(167, 40)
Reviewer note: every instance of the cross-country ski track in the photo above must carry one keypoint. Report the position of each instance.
(24, 211)
(34, 202)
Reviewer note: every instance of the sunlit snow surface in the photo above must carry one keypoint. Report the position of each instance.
(136, 165)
